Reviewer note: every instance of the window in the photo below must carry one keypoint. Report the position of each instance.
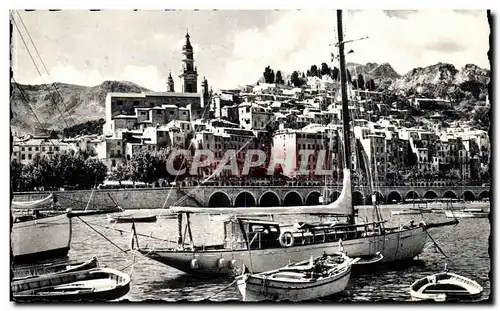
(158, 111)
(119, 102)
(43, 148)
(36, 148)
(112, 153)
(119, 153)
(23, 156)
(29, 156)
(56, 148)
(143, 113)
(119, 143)
(113, 163)
(22, 148)
(29, 148)
(128, 157)
(50, 148)
(136, 103)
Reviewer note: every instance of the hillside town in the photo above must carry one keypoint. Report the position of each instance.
(280, 119)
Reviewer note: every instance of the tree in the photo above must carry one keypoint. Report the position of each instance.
(279, 78)
(296, 81)
(335, 73)
(370, 85)
(268, 75)
(325, 69)
(96, 172)
(119, 173)
(361, 82)
(314, 71)
(143, 167)
(481, 117)
(16, 169)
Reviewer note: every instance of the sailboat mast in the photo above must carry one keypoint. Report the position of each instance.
(345, 103)
(343, 88)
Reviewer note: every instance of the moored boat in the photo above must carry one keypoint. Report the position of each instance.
(445, 286)
(306, 280)
(405, 212)
(466, 214)
(131, 218)
(39, 237)
(29, 271)
(99, 284)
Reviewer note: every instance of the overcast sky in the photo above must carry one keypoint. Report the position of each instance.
(233, 47)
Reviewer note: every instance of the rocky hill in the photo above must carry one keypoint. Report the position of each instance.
(444, 80)
(81, 103)
(373, 71)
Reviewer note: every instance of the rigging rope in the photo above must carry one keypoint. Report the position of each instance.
(102, 235)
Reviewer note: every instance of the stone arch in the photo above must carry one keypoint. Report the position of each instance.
(313, 198)
(468, 196)
(269, 199)
(394, 196)
(380, 198)
(244, 199)
(411, 195)
(450, 195)
(292, 198)
(430, 195)
(334, 196)
(484, 195)
(357, 198)
(219, 199)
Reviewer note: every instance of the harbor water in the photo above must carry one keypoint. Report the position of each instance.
(465, 245)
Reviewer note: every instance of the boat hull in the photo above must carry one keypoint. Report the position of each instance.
(393, 246)
(255, 288)
(41, 239)
(99, 284)
(466, 214)
(124, 219)
(445, 286)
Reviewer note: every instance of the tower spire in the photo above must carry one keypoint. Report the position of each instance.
(170, 83)
(189, 73)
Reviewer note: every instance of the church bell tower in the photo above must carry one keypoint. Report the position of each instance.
(189, 74)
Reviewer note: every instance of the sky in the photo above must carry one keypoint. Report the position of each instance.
(233, 47)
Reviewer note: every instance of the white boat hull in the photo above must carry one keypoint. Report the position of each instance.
(255, 288)
(393, 246)
(459, 214)
(41, 239)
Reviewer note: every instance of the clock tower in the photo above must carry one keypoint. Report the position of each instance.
(189, 74)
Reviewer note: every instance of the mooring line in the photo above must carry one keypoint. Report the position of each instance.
(220, 291)
(102, 235)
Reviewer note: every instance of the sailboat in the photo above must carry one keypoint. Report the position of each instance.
(266, 245)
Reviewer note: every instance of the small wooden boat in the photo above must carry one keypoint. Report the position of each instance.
(445, 286)
(369, 260)
(306, 280)
(131, 218)
(99, 284)
(30, 271)
(406, 212)
(467, 214)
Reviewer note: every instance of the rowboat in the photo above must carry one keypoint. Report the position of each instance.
(466, 214)
(99, 284)
(306, 280)
(406, 212)
(29, 271)
(445, 286)
(131, 218)
(369, 260)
